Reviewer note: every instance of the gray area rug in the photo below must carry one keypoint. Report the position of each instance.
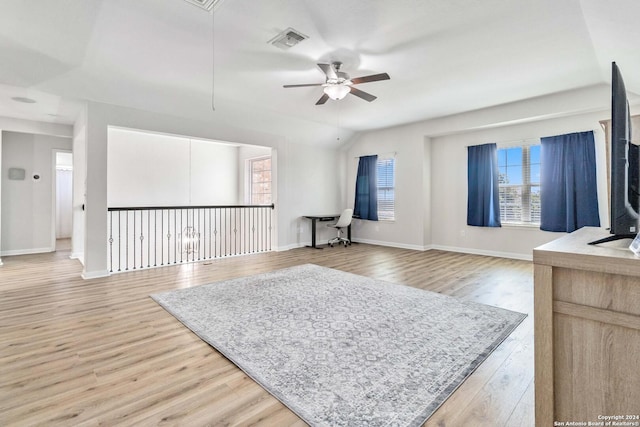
(340, 349)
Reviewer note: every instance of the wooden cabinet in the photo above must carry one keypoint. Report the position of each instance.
(587, 330)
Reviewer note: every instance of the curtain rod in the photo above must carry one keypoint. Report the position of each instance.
(390, 153)
(508, 142)
(526, 140)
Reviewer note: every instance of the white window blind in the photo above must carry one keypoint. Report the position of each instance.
(386, 189)
(519, 182)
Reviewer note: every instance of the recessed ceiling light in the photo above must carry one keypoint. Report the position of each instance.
(24, 100)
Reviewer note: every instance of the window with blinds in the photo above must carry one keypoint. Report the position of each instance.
(519, 182)
(386, 189)
(260, 180)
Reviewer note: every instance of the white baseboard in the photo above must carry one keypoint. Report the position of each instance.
(392, 244)
(291, 246)
(369, 242)
(26, 251)
(88, 275)
(77, 255)
(510, 255)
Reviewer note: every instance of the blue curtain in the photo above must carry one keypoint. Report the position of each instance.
(568, 187)
(483, 199)
(366, 203)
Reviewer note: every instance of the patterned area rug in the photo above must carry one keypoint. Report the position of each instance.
(340, 349)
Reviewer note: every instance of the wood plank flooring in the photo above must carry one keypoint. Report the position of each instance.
(101, 352)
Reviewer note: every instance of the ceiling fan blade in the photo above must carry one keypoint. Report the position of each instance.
(361, 94)
(328, 70)
(371, 78)
(322, 99)
(304, 85)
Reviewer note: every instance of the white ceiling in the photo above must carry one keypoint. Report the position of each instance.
(444, 57)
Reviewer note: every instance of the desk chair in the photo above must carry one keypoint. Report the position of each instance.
(343, 222)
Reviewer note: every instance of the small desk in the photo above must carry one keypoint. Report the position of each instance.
(323, 218)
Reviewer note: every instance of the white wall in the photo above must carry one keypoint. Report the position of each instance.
(308, 177)
(79, 186)
(309, 183)
(214, 173)
(428, 195)
(313, 180)
(1, 198)
(28, 126)
(411, 194)
(449, 188)
(432, 171)
(27, 205)
(151, 169)
(37, 128)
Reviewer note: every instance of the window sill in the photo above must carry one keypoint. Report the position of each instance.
(522, 225)
(379, 220)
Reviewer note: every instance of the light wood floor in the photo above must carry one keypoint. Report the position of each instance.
(101, 352)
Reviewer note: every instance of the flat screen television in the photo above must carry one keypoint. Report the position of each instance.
(625, 165)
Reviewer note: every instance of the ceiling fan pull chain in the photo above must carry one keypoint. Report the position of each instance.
(213, 57)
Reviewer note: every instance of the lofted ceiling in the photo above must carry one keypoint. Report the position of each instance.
(444, 57)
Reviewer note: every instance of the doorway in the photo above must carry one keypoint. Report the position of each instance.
(63, 222)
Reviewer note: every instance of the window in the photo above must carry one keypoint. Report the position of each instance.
(260, 181)
(386, 189)
(519, 182)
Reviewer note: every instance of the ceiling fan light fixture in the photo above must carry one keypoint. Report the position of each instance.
(336, 91)
(338, 84)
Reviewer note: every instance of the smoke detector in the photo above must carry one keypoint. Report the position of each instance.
(288, 38)
(207, 5)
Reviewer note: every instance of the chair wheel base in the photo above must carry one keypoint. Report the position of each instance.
(344, 242)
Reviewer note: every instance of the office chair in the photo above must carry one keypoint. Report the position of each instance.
(343, 222)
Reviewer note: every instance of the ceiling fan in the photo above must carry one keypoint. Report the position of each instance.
(338, 84)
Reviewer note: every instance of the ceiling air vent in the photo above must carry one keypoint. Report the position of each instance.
(206, 4)
(288, 38)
